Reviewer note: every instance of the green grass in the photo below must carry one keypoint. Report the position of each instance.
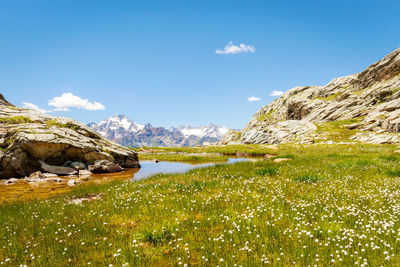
(329, 205)
(229, 150)
(15, 120)
(54, 122)
(266, 117)
(330, 97)
(336, 131)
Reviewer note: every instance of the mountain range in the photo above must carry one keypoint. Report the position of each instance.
(123, 130)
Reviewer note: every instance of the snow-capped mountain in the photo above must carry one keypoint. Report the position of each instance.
(125, 131)
(210, 130)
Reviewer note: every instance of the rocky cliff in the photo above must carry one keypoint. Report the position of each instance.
(360, 107)
(31, 141)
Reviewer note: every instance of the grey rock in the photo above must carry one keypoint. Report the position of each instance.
(230, 137)
(37, 175)
(104, 166)
(352, 126)
(77, 165)
(58, 170)
(50, 175)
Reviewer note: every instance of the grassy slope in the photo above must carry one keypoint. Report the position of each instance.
(330, 203)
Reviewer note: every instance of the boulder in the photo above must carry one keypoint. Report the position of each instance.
(59, 170)
(77, 165)
(29, 136)
(104, 166)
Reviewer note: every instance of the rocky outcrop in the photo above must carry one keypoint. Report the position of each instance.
(281, 132)
(367, 102)
(32, 141)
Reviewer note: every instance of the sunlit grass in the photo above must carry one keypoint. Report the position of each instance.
(329, 205)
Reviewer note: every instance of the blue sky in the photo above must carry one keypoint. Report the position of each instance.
(156, 61)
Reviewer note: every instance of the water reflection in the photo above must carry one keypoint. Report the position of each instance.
(150, 168)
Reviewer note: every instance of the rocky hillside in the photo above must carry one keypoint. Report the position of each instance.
(125, 131)
(361, 107)
(31, 141)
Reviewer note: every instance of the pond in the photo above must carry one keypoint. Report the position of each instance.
(150, 168)
(24, 191)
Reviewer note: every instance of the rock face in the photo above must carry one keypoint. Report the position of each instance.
(124, 131)
(367, 103)
(32, 141)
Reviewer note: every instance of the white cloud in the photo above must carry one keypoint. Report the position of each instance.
(68, 100)
(234, 49)
(276, 93)
(34, 107)
(253, 99)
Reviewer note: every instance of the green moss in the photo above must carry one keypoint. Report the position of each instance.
(266, 116)
(330, 97)
(55, 123)
(15, 120)
(336, 131)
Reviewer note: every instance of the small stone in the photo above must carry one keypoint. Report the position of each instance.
(37, 175)
(72, 182)
(11, 181)
(84, 173)
(56, 179)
